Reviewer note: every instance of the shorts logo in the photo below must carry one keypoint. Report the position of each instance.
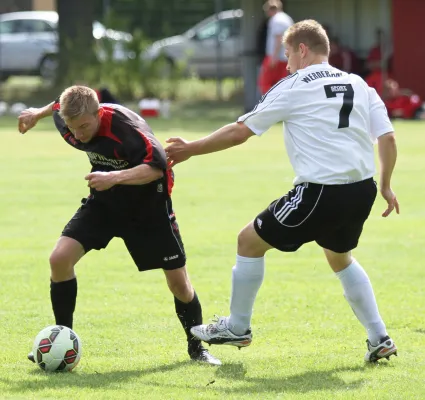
(159, 188)
(259, 222)
(171, 258)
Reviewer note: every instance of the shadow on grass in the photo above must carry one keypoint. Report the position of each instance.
(225, 378)
(313, 380)
(94, 380)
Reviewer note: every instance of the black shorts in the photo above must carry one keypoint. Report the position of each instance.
(331, 215)
(153, 241)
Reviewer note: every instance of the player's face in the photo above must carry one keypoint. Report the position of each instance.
(85, 127)
(294, 59)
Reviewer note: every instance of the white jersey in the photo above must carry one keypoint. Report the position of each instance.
(277, 25)
(331, 120)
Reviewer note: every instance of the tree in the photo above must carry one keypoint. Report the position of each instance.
(76, 42)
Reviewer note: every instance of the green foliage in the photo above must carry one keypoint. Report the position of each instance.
(307, 343)
(134, 76)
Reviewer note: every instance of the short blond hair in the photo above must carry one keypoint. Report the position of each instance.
(272, 4)
(310, 33)
(78, 100)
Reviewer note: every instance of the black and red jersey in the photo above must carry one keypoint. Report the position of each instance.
(124, 141)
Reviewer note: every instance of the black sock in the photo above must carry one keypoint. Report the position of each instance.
(64, 297)
(190, 314)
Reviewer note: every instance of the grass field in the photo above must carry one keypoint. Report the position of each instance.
(307, 343)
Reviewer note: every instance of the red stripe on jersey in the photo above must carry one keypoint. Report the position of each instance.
(149, 148)
(105, 124)
(56, 107)
(170, 181)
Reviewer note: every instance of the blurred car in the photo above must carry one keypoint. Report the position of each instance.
(29, 43)
(215, 40)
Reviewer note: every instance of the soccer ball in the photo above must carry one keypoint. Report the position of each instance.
(57, 348)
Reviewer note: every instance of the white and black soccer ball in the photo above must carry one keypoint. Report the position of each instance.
(57, 348)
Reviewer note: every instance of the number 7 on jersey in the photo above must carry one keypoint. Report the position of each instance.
(347, 101)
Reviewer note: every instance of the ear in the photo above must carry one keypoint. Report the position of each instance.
(303, 50)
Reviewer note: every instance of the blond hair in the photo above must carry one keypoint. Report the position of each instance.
(310, 33)
(272, 5)
(78, 100)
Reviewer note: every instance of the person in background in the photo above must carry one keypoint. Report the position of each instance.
(402, 103)
(273, 68)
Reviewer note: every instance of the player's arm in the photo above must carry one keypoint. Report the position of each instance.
(383, 131)
(140, 149)
(387, 149)
(228, 136)
(139, 175)
(29, 117)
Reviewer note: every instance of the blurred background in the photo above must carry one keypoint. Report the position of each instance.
(191, 52)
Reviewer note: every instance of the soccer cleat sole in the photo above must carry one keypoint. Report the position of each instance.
(236, 343)
(375, 359)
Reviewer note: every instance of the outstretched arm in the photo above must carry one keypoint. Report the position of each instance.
(228, 136)
(28, 118)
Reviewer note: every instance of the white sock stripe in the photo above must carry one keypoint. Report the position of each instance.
(288, 203)
(283, 214)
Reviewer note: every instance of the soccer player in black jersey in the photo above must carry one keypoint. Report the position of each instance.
(130, 198)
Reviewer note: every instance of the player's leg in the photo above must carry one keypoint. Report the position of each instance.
(354, 204)
(157, 244)
(280, 226)
(189, 312)
(63, 281)
(359, 294)
(88, 229)
(247, 277)
(265, 76)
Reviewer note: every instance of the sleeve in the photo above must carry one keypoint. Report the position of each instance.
(272, 108)
(380, 123)
(142, 147)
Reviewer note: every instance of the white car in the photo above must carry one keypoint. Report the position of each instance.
(215, 41)
(29, 43)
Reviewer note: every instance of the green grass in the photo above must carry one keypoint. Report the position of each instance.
(307, 343)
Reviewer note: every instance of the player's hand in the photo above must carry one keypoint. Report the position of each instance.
(27, 119)
(177, 151)
(391, 200)
(100, 180)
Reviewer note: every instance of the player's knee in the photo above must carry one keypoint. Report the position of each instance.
(60, 261)
(182, 290)
(249, 244)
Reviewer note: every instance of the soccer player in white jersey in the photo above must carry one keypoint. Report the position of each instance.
(331, 121)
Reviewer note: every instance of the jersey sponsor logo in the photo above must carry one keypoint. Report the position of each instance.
(98, 159)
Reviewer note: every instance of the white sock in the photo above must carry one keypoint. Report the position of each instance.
(247, 277)
(359, 294)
